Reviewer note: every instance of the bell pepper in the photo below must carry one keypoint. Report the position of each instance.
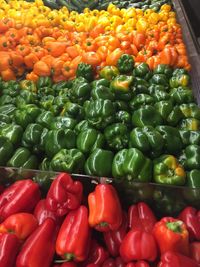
(117, 262)
(86, 71)
(32, 135)
(99, 113)
(190, 158)
(47, 102)
(140, 100)
(105, 212)
(140, 216)
(6, 150)
(8, 110)
(73, 110)
(130, 252)
(45, 118)
(59, 139)
(26, 114)
(97, 254)
(21, 224)
(28, 85)
(146, 116)
(142, 70)
(179, 80)
(109, 72)
(121, 84)
(82, 126)
(141, 86)
(182, 95)
(25, 97)
(138, 264)
(68, 160)
(167, 170)
(14, 199)
(190, 110)
(80, 90)
(66, 264)
(74, 236)
(171, 235)
(159, 79)
(193, 180)
(89, 139)
(9, 247)
(4, 119)
(125, 63)
(64, 195)
(60, 101)
(12, 132)
(42, 239)
(163, 69)
(99, 163)
(159, 95)
(23, 158)
(6, 99)
(102, 92)
(190, 124)
(179, 71)
(172, 139)
(146, 139)
(11, 88)
(58, 87)
(192, 221)
(116, 136)
(44, 81)
(170, 258)
(121, 105)
(100, 82)
(131, 164)
(64, 123)
(123, 116)
(190, 137)
(195, 251)
(113, 239)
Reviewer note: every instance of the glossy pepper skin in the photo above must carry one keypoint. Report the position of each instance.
(32, 134)
(190, 110)
(179, 80)
(190, 124)
(21, 224)
(68, 160)
(140, 100)
(22, 157)
(45, 118)
(193, 178)
(116, 262)
(99, 163)
(102, 92)
(195, 251)
(192, 220)
(125, 63)
(116, 136)
(41, 240)
(14, 199)
(113, 239)
(109, 72)
(140, 216)
(131, 164)
(64, 123)
(72, 110)
(163, 69)
(181, 95)
(121, 84)
(64, 195)
(170, 258)
(142, 70)
(9, 247)
(28, 85)
(146, 139)
(12, 132)
(100, 82)
(80, 90)
(171, 235)
(190, 158)
(167, 170)
(74, 236)
(25, 97)
(130, 252)
(138, 264)
(86, 71)
(6, 150)
(44, 81)
(105, 212)
(190, 137)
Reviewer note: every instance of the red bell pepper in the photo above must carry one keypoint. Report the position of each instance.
(138, 264)
(38, 250)
(21, 224)
(174, 259)
(64, 195)
(74, 236)
(42, 213)
(9, 247)
(92, 265)
(97, 254)
(141, 216)
(192, 221)
(113, 239)
(21, 196)
(66, 264)
(195, 251)
(105, 212)
(171, 235)
(117, 262)
(138, 245)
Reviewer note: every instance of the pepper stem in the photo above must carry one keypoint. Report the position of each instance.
(175, 226)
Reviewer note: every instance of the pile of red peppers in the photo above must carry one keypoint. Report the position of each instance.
(68, 229)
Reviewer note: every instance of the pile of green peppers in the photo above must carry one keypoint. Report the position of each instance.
(131, 124)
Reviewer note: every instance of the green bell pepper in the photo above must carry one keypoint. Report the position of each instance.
(8, 110)
(44, 181)
(167, 170)
(47, 102)
(45, 165)
(44, 81)
(125, 63)
(6, 99)
(140, 85)
(124, 117)
(27, 114)
(58, 87)
(146, 116)
(190, 124)
(12, 132)
(142, 70)
(141, 100)
(121, 84)
(22, 158)
(160, 95)
(179, 71)
(102, 92)
(80, 90)
(68, 160)
(99, 163)
(60, 101)
(100, 82)
(172, 139)
(45, 118)
(26, 97)
(99, 113)
(190, 137)
(159, 79)
(4, 119)
(117, 136)
(131, 164)
(40, 147)
(193, 180)
(46, 91)
(61, 122)
(28, 85)
(179, 80)
(73, 110)
(109, 72)
(82, 126)
(32, 135)
(190, 158)
(163, 69)
(86, 71)
(6, 150)
(148, 140)
(121, 105)
(182, 95)
(89, 139)
(11, 88)
(190, 110)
